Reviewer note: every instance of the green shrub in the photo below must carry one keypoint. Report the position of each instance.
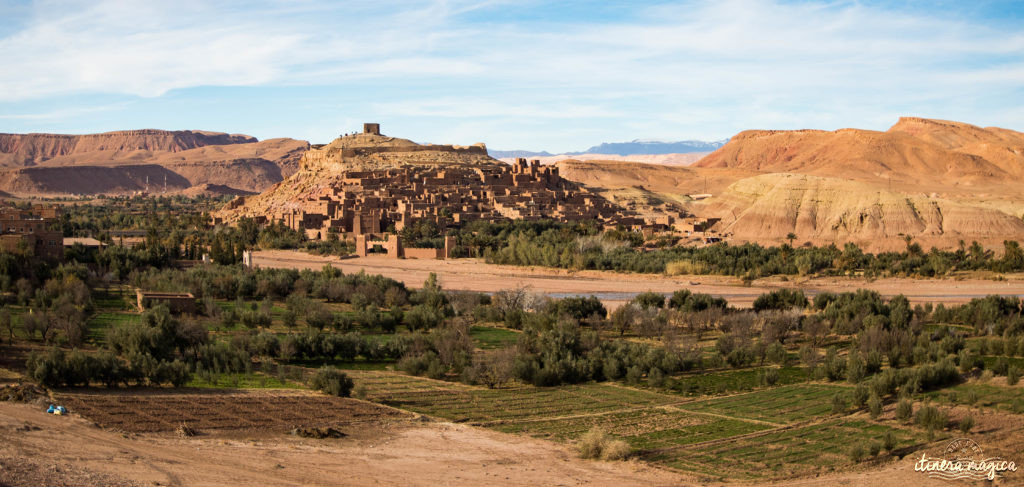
(904, 409)
(684, 300)
(856, 453)
(1013, 375)
(874, 406)
(889, 441)
(650, 299)
(655, 378)
(931, 417)
(331, 381)
(855, 367)
(860, 396)
(872, 362)
(770, 377)
(966, 424)
(777, 353)
(781, 299)
(422, 316)
(838, 404)
(833, 365)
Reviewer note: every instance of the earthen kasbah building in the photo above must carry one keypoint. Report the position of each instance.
(28, 231)
(364, 184)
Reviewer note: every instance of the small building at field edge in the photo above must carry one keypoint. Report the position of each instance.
(177, 303)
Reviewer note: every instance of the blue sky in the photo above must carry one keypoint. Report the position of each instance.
(516, 75)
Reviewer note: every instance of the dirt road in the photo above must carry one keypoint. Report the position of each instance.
(613, 287)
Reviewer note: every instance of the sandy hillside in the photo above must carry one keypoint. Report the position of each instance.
(922, 150)
(830, 210)
(668, 182)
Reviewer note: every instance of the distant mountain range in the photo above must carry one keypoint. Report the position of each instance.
(624, 148)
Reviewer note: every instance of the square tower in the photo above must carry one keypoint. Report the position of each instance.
(371, 128)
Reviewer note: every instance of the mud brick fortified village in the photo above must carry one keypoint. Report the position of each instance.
(362, 186)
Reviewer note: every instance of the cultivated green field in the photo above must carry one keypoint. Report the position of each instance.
(781, 405)
(816, 448)
(984, 395)
(767, 433)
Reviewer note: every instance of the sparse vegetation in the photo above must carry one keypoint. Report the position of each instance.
(597, 444)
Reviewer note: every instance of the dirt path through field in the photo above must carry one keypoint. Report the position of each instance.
(614, 288)
(69, 450)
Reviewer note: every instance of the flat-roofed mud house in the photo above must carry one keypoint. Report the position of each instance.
(28, 230)
(177, 303)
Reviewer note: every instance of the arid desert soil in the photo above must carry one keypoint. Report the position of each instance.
(612, 287)
(41, 449)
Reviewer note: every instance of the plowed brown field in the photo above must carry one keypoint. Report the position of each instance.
(147, 412)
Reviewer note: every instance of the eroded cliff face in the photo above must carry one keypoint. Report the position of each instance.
(18, 150)
(766, 208)
(197, 158)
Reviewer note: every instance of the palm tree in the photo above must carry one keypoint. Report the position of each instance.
(791, 237)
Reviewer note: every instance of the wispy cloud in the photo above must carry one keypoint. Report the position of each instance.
(690, 69)
(63, 113)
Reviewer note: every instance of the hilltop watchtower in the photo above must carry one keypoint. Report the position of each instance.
(371, 128)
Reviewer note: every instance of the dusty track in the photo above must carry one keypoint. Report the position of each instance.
(612, 287)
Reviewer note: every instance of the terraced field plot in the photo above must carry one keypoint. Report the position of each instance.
(479, 405)
(487, 337)
(799, 451)
(142, 412)
(781, 405)
(644, 430)
(987, 395)
(729, 381)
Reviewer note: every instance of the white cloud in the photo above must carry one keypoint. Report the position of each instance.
(701, 67)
